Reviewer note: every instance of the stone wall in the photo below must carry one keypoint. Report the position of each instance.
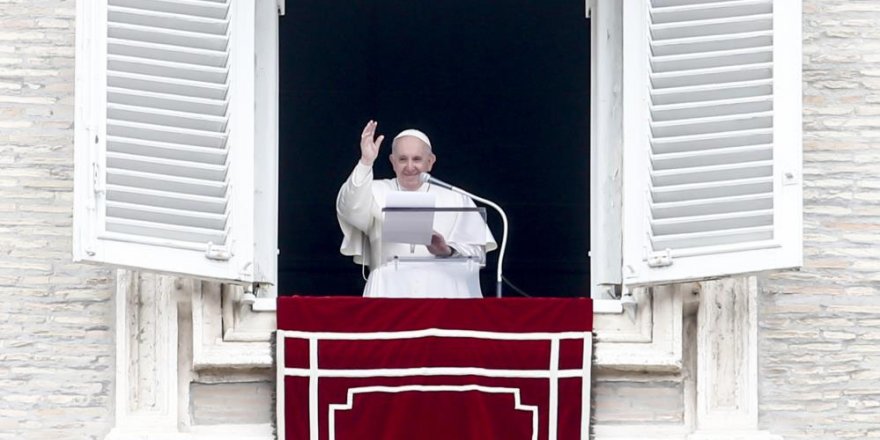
(820, 328)
(56, 341)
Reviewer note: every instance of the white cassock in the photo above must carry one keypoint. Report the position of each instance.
(359, 210)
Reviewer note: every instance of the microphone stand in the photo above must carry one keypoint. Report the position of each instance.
(498, 280)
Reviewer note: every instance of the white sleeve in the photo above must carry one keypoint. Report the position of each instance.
(355, 198)
(465, 225)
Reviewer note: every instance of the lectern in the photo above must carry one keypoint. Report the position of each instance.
(407, 269)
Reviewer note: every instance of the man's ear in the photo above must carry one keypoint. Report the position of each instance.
(432, 159)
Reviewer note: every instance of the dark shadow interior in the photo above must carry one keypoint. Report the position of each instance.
(502, 89)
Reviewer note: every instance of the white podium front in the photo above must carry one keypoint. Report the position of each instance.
(426, 277)
(408, 270)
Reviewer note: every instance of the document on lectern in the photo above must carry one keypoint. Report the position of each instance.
(411, 219)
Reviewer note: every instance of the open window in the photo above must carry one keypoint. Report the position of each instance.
(502, 89)
(695, 138)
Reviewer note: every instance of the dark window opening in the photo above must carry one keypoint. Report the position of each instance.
(502, 89)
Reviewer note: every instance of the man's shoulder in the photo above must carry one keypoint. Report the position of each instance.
(449, 197)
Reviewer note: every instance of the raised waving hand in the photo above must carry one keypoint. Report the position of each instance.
(370, 143)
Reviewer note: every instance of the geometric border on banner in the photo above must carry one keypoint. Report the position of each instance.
(552, 373)
(349, 404)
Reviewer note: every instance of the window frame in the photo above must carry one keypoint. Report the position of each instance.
(606, 147)
(229, 331)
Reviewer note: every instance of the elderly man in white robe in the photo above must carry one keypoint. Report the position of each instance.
(359, 210)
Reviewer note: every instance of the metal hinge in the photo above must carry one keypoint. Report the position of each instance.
(258, 297)
(97, 186)
(660, 259)
(220, 253)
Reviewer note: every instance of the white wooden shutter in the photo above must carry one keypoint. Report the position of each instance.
(712, 145)
(165, 136)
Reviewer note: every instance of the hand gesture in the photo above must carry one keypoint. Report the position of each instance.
(438, 246)
(369, 144)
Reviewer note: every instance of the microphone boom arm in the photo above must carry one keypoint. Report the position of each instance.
(498, 280)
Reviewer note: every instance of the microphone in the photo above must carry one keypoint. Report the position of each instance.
(425, 177)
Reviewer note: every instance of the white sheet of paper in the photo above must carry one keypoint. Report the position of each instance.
(413, 227)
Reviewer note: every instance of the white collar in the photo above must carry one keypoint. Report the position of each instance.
(425, 187)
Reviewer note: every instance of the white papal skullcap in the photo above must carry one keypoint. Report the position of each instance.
(416, 134)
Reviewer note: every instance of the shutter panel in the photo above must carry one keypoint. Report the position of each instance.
(164, 136)
(712, 145)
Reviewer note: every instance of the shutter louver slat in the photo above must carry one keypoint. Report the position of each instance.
(141, 147)
(178, 119)
(736, 25)
(167, 52)
(711, 140)
(166, 199)
(688, 175)
(664, 3)
(706, 60)
(735, 237)
(157, 19)
(710, 157)
(165, 69)
(701, 109)
(712, 76)
(712, 92)
(166, 215)
(180, 168)
(161, 182)
(167, 121)
(166, 85)
(707, 11)
(716, 124)
(718, 205)
(165, 101)
(198, 8)
(153, 132)
(711, 222)
(712, 43)
(164, 36)
(164, 231)
(697, 191)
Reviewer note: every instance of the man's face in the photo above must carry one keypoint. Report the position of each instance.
(410, 157)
